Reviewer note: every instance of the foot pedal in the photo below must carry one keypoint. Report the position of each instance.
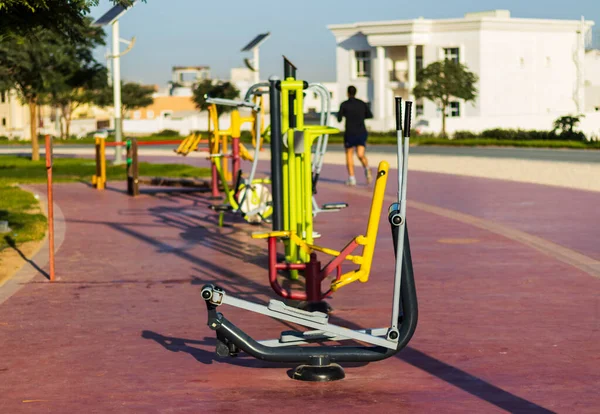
(280, 307)
(334, 206)
(316, 235)
(295, 336)
(221, 207)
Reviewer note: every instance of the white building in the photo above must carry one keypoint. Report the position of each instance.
(592, 81)
(530, 70)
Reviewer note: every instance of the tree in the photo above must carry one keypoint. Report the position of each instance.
(215, 90)
(77, 75)
(565, 127)
(25, 65)
(441, 81)
(80, 88)
(62, 17)
(133, 96)
(43, 67)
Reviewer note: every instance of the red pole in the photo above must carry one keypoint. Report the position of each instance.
(312, 276)
(214, 185)
(50, 205)
(273, 266)
(235, 163)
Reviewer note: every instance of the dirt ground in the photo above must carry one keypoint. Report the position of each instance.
(12, 260)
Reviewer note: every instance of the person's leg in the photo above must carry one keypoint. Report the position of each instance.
(350, 165)
(360, 152)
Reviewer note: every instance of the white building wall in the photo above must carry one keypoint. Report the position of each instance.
(527, 73)
(592, 81)
(346, 67)
(469, 44)
(526, 67)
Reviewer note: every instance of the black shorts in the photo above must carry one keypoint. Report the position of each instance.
(356, 141)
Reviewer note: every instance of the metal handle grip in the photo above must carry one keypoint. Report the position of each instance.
(407, 113)
(398, 113)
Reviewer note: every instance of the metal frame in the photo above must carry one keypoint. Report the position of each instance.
(384, 342)
(250, 184)
(321, 149)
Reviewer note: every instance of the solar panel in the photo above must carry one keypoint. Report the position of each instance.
(112, 15)
(255, 42)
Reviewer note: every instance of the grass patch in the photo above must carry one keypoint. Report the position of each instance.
(21, 170)
(491, 142)
(21, 210)
(84, 141)
(374, 139)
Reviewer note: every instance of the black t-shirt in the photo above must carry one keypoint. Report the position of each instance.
(355, 111)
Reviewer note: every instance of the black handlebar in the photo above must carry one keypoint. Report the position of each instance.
(407, 113)
(398, 113)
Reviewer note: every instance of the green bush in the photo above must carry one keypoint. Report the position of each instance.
(465, 135)
(519, 134)
(168, 133)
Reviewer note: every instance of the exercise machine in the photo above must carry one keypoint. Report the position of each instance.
(320, 150)
(249, 196)
(295, 202)
(321, 363)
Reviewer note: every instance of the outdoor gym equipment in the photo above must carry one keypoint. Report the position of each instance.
(321, 363)
(185, 146)
(133, 174)
(321, 149)
(296, 198)
(249, 196)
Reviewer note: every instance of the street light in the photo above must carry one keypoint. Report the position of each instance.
(253, 46)
(111, 17)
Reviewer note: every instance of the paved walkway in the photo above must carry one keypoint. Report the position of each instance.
(505, 275)
(560, 168)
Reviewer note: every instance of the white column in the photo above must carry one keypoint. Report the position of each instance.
(412, 70)
(581, 68)
(256, 66)
(380, 83)
(117, 88)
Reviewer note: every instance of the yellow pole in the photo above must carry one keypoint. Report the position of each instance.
(374, 219)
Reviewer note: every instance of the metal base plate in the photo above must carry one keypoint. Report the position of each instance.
(321, 306)
(319, 373)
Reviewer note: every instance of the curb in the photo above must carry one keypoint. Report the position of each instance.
(29, 270)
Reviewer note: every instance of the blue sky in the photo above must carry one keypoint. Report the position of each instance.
(212, 32)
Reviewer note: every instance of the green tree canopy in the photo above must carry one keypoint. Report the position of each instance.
(443, 81)
(42, 67)
(214, 89)
(63, 17)
(135, 95)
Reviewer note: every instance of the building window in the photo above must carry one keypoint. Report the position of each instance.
(330, 94)
(315, 95)
(420, 110)
(3, 96)
(137, 115)
(454, 111)
(452, 53)
(3, 121)
(363, 64)
(150, 114)
(419, 63)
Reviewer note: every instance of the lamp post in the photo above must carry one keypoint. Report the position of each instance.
(254, 65)
(111, 17)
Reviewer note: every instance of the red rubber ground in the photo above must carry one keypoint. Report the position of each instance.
(503, 326)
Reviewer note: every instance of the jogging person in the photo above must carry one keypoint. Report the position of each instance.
(355, 134)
